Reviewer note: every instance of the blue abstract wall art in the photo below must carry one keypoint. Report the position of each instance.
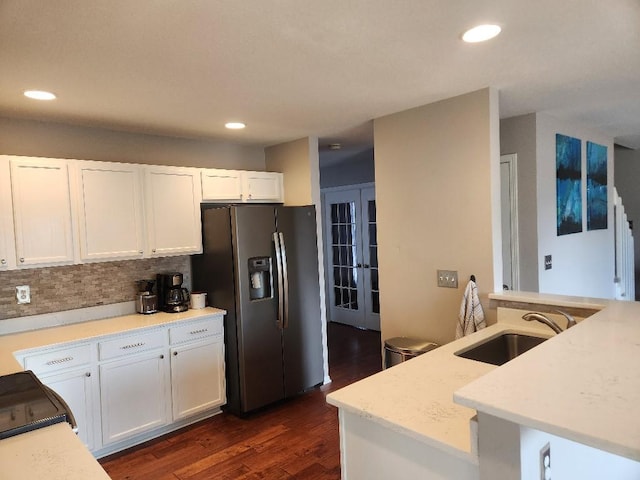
(568, 184)
(596, 186)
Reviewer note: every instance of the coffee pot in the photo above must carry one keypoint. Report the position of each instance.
(172, 295)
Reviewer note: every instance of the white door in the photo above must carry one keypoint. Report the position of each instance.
(197, 377)
(352, 257)
(42, 209)
(77, 389)
(110, 211)
(172, 208)
(133, 394)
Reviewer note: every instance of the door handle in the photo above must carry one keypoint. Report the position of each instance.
(366, 265)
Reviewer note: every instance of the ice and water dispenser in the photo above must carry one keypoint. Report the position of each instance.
(260, 278)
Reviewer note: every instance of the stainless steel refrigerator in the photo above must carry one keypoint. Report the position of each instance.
(260, 263)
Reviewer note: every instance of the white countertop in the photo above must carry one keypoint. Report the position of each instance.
(583, 385)
(415, 398)
(55, 452)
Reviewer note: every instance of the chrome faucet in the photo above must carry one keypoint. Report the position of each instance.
(571, 322)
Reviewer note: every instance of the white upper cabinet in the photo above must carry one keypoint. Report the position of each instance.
(109, 210)
(241, 186)
(172, 210)
(222, 185)
(262, 186)
(7, 243)
(42, 211)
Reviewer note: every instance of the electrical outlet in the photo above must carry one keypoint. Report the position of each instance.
(23, 294)
(448, 278)
(547, 262)
(545, 462)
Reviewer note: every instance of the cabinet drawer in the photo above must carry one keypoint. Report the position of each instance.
(193, 331)
(52, 361)
(131, 344)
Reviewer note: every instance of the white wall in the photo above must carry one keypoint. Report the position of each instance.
(583, 263)
(437, 193)
(58, 140)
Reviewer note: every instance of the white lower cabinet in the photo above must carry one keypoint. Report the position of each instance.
(197, 377)
(77, 388)
(126, 389)
(133, 395)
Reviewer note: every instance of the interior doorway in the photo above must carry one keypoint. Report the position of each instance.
(509, 212)
(351, 257)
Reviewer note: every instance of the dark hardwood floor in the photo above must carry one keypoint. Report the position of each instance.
(297, 438)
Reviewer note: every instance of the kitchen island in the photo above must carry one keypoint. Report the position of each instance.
(405, 421)
(56, 450)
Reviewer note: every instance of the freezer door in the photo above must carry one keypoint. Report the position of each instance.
(302, 335)
(259, 336)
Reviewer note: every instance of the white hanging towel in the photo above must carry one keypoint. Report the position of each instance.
(471, 316)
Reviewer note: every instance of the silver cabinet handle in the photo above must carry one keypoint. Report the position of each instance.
(21, 259)
(58, 361)
(88, 374)
(195, 332)
(161, 357)
(132, 345)
(175, 354)
(3, 261)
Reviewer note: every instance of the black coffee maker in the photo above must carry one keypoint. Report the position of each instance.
(172, 296)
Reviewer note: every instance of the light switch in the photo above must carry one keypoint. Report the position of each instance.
(448, 278)
(23, 294)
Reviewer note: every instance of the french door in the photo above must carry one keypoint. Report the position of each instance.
(352, 257)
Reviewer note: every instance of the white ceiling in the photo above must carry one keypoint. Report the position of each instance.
(296, 68)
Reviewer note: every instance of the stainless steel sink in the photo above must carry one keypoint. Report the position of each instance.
(499, 350)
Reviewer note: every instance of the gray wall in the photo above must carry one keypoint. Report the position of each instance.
(58, 140)
(352, 171)
(518, 135)
(627, 175)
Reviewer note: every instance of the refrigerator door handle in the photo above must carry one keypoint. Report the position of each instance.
(276, 241)
(285, 280)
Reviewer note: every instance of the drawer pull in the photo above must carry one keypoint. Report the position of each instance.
(132, 345)
(59, 361)
(88, 374)
(196, 332)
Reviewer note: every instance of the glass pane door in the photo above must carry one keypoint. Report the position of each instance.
(370, 259)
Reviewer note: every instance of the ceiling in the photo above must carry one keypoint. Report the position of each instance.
(296, 68)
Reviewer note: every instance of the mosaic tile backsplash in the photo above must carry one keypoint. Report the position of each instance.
(56, 289)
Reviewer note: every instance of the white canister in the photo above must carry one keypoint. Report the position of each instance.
(198, 300)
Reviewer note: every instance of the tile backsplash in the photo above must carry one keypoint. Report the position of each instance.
(55, 289)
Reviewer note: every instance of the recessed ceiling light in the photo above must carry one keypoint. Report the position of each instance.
(235, 125)
(39, 95)
(481, 33)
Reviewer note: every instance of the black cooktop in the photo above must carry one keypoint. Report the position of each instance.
(26, 404)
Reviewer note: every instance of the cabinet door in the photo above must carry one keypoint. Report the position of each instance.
(197, 377)
(172, 207)
(7, 243)
(133, 394)
(262, 186)
(221, 185)
(42, 211)
(110, 210)
(77, 388)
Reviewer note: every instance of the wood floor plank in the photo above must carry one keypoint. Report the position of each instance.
(294, 439)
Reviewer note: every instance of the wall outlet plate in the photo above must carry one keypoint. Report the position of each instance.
(23, 294)
(448, 278)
